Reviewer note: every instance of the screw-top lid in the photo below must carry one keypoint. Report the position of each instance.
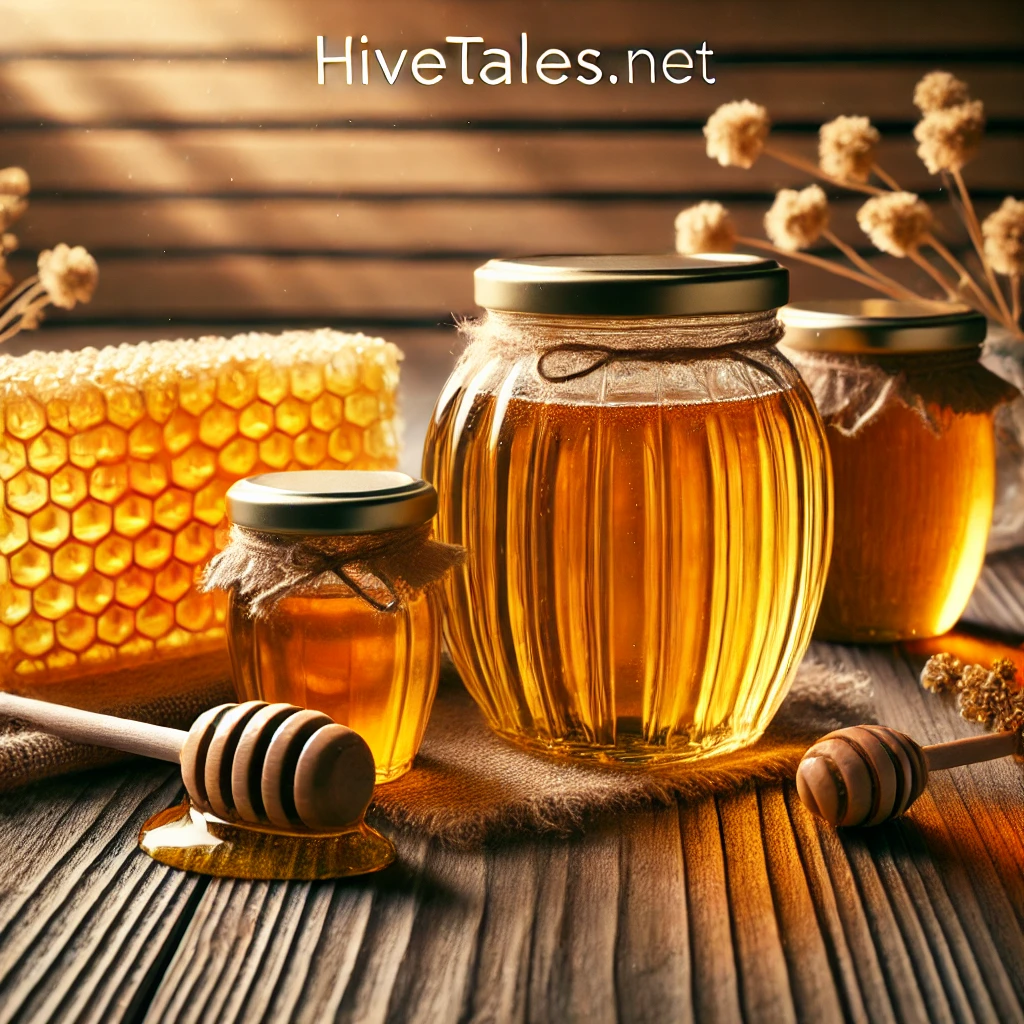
(640, 286)
(880, 326)
(331, 502)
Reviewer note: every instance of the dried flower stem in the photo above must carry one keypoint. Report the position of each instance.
(887, 178)
(27, 299)
(984, 302)
(814, 261)
(1015, 298)
(890, 285)
(815, 171)
(974, 230)
(947, 286)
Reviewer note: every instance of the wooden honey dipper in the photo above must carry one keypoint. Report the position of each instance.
(868, 774)
(258, 763)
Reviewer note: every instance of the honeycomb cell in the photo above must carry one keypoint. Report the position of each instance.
(342, 373)
(217, 426)
(236, 388)
(147, 477)
(113, 555)
(378, 372)
(209, 504)
(145, 440)
(307, 381)
(98, 654)
(193, 544)
(194, 611)
(345, 443)
(132, 515)
(92, 521)
(68, 487)
(58, 415)
(86, 408)
(48, 451)
(27, 492)
(161, 401)
(131, 588)
(193, 467)
(310, 447)
(197, 395)
(125, 407)
(12, 457)
(30, 566)
(180, 430)
(153, 548)
(256, 421)
(238, 457)
(94, 592)
(108, 443)
(173, 581)
(28, 666)
(24, 417)
(49, 527)
(272, 384)
(326, 412)
(361, 408)
(76, 631)
(15, 604)
(81, 451)
(6, 641)
(116, 624)
(292, 416)
(108, 483)
(172, 509)
(72, 561)
(13, 532)
(175, 640)
(138, 647)
(276, 450)
(34, 636)
(53, 599)
(59, 660)
(380, 441)
(154, 618)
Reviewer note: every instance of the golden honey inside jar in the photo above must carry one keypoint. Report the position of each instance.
(322, 612)
(642, 486)
(908, 412)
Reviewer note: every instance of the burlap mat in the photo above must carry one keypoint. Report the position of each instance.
(467, 785)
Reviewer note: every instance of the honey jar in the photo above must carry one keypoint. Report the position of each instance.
(908, 412)
(333, 600)
(642, 485)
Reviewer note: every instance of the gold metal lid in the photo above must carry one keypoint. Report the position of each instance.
(330, 502)
(880, 326)
(627, 286)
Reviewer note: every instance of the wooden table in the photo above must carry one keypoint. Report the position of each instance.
(736, 908)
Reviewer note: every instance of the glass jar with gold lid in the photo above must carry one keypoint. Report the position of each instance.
(333, 600)
(908, 412)
(641, 482)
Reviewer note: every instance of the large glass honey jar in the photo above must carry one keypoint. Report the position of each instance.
(908, 412)
(334, 601)
(642, 485)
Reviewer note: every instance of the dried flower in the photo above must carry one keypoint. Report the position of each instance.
(949, 138)
(706, 227)
(8, 243)
(939, 90)
(1003, 232)
(797, 218)
(736, 133)
(896, 222)
(68, 275)
(942, 673)
(11, 208)
(992, 697)
(14, 182)
(846, 148)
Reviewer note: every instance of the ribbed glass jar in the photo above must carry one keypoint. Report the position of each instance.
(645, 502)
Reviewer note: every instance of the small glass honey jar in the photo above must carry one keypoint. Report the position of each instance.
(908, 411)
(642, 485)
(333, 600)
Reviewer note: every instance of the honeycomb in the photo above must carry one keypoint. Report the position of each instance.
(114, 464)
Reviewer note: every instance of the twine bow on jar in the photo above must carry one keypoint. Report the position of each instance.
(379, 568)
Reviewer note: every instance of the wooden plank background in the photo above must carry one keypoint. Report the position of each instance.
(187, 144)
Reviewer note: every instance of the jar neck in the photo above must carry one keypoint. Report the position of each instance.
(530, 332)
